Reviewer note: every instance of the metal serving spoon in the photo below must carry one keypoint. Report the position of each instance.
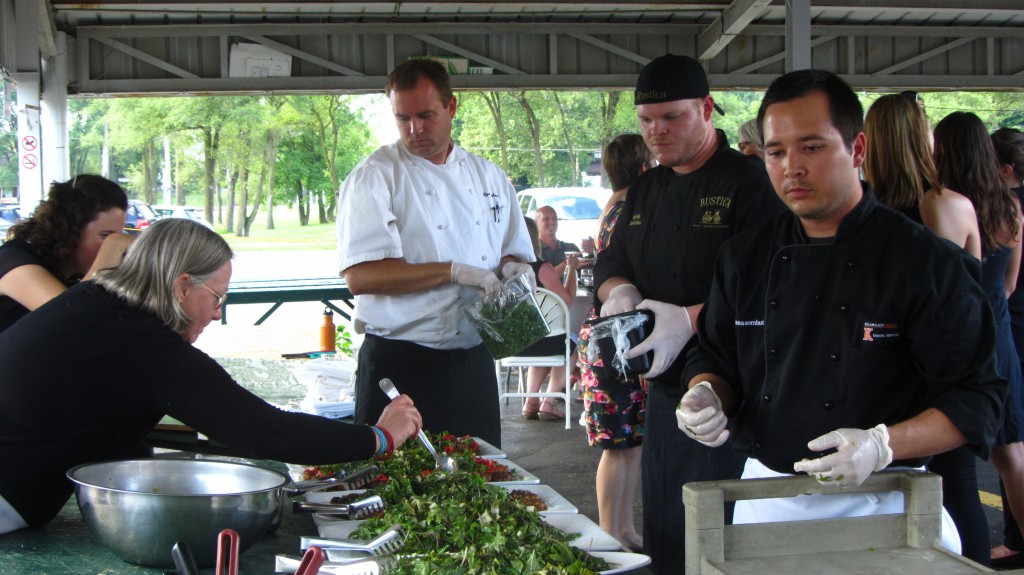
(442, 462)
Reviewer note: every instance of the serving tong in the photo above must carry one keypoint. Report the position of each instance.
(349, 481)
(442, 462)
(361, 509)
(358, 566)
(228, 543)
(388, 542)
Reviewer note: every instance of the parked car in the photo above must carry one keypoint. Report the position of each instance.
(187, 212)
(10, 214)
(578, 209)
(138, 216)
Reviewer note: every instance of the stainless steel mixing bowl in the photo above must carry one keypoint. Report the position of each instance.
(140, 508)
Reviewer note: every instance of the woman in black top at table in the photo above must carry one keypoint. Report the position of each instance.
(73, 233)
(90, 373)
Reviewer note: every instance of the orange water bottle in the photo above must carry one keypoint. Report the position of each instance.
(327, 331)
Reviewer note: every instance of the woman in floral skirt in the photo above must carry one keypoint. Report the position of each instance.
(615, 407)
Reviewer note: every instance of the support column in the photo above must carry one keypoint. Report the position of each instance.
(56, 153)
(29, 89)
(798, 35)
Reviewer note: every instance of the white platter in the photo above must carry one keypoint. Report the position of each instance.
(553, 499)
(487, 451)
(591, 536)
(621, 562)
(525, 477)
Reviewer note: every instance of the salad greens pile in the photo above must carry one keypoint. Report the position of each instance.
(458, 524)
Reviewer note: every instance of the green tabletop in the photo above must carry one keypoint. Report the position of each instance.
(66, 547)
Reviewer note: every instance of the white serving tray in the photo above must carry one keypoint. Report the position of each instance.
(621, 562)
(553, 499)
(591, 536)
(525, 477)
(488, 451)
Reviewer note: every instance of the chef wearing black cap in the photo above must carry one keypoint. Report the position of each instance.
(661, 258)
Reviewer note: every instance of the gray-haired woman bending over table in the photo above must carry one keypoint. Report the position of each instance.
(90, 373)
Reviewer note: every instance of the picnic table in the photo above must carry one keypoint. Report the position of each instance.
(281, 291)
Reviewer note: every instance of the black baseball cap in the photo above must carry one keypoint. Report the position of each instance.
(670, 77)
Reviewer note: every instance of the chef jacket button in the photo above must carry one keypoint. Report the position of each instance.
(766, 397)
(834, 356)
(675, 275)
(844, 308)
(440, 226)
(773, 303)
(773, 351)
(785, 257)
(478, 222)
(483, 258)
(678, 227)
(851, 263)
(829, 405)
(758, 446)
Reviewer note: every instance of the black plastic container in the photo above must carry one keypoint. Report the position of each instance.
(607, 327)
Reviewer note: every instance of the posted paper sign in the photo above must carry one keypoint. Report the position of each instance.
(258, 61)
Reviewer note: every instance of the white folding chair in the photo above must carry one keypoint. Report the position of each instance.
(556, 312)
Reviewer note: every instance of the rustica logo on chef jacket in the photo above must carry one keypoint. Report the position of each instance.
(875, 331)
(714, 209)
(636, 220)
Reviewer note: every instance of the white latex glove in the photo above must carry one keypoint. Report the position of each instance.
(623, 298)
(860, 452)
(472, 276)
(699, 415)
(672, 329)
(512, 269)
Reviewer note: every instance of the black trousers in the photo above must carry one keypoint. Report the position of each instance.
(671, 459)
(455, 390)
(959, 472)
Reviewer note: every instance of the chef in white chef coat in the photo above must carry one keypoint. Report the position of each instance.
(423, 228)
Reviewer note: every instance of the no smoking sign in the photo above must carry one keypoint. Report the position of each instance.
(30, 161)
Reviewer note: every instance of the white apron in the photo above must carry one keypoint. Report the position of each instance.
(818, 506)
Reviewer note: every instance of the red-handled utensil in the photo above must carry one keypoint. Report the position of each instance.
(312, 560)
(227, 552)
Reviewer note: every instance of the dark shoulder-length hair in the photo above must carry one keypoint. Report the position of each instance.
(624, 159)
(967, 163)
(56, 225)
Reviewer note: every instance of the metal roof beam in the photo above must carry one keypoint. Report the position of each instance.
(726, 27)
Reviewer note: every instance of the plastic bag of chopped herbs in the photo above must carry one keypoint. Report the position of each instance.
(508, 320)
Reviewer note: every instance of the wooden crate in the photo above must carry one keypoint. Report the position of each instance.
(907, 543)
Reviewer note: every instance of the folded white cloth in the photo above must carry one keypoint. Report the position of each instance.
(330, 387)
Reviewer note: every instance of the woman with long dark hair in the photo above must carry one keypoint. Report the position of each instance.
(967, 164)
(1009, 145)
(898, 165)
(75, 232)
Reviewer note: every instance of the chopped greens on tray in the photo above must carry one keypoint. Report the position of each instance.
(458, 523)
(414, 459)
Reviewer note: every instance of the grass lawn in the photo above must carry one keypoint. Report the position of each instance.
(286, 235)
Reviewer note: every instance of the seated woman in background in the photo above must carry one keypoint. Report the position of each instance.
(76, 231)
(67, 399)
(547, 278)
